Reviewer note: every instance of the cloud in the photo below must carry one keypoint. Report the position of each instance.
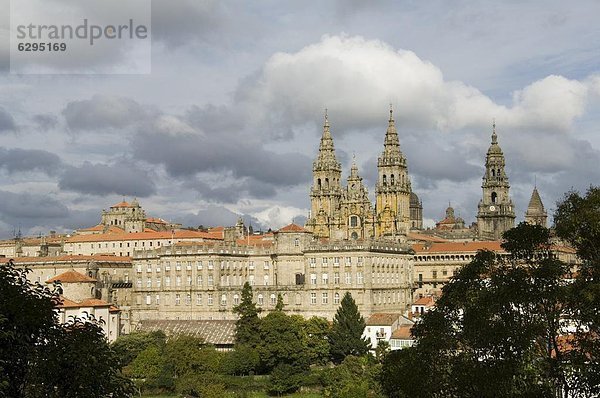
(101, 179)
(215, 215)
(103, 112)
(17, 208)
(19, 160)
(7, 123)
(45, 121)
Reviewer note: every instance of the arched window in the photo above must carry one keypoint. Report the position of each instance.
(354, 221)
(384, 180)
(354, 235)
(318, 183)
(326, 183)
(494, 197)
(498, 173)
(392, 180)
(260, 300)
(493, 173)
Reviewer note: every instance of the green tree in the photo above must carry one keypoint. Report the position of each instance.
(282, 341)
(40, 357)
(248, 323)
(577, 221)
(243, 360)
(355, 377)
(495, 331)
(286, 378)
(345, 337)
(279, 305)
(129, 346)
(147, 365)
(185, 355)
(316, 330)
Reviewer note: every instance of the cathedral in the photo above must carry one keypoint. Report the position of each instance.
(344, 211)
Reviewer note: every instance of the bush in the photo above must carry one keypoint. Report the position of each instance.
(243, 360)
(285, 378)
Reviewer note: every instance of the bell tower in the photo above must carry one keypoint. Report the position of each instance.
(495, 213)
(326, 191)
(393, 187)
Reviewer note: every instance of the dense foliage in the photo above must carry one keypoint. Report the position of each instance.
(40, 357)
(345, 337)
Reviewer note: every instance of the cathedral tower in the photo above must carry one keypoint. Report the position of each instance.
(326, 190)
(393, 187)
(495, 213)
(536, 214)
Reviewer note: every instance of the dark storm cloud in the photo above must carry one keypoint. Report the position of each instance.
(231, 193)
(17, 160)
(45, 121)
(101, 179)
(7, 123)
(27, 208)
(103, 112)
(185, 154)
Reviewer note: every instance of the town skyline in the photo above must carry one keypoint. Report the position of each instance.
(228, 121)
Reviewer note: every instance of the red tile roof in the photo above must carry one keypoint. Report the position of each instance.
(427, 301)
(71, 276)
(67, 303)
(292, 228)
(425, 238)
(146, 235)
(121, 204)
(73, 259)
(402, 333)
(383, 319)
(457, 247)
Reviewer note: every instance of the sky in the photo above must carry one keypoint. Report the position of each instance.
(228, 120)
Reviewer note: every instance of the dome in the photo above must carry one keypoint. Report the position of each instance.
(414, 199)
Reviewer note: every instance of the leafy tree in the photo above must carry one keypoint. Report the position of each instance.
(286, 378)
(40, 357)
(345, 337)
(129, 346)
(189, 355)
(382, 349)
(495, 331)
(279, 305)
(243, 360)
(282, 341)
(577, 221)
(148, 364)
(355, 377)
(248, 323)
(316, 330)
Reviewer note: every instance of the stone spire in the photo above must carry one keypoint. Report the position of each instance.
(326, 156)
(391, 145)
(536, 214)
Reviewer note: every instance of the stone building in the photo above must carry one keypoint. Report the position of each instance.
(346, 212)
(496, 213)
(536, 214)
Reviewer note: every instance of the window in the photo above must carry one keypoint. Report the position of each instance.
(211, 264)
(336, 261)
(266, 266)
(313, 262)
(223, 299)
(177, 299)
(210, 280)
(273, 299)
(149, 282)
(348, 260)
(251, 265)
(236, 299)
(251, 280)
(189, 280)
(198, 298)
(260, 300)
(348, 278)
(167, 266)
(434, 274)
(178, 266)
(188, 299)
(138, 268)
(167, 281)
(149, 268)
(353, 221)
(324, 298)
(296, 242)
(199, 280)
(360, 261)
(188, 266)
(158, 267)
(494, 197)
(266, 280)
(313, 298)
(336, 298)
(359, 278)
(157, 299)
(325, 278)
(325, 262)
(139, 282)
(313, 279)
(210, 299)
(178, 280)
(336, 278)
(199, 265)
(148, 299)
(157, 282)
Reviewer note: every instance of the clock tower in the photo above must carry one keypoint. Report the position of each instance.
(496, 212)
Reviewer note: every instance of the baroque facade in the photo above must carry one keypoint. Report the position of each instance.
(346, 212)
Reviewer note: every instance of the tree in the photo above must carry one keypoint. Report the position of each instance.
(495, 331)
(129, 346)
(282, 341)
(40, 357)
(316, 330)
(279, 306)
(355, 377)
(577, 221)
(345, 337)
(285, 378)
(248, 323)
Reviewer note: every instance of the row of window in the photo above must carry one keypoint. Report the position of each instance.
(226, 280)
(199, 265)
(336, 278)
(333, 260)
